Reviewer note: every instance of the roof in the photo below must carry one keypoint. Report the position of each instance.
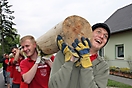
(121, 20)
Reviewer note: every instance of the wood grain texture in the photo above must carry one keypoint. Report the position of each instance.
(71, 28)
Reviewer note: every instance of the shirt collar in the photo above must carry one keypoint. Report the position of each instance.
(93, 57)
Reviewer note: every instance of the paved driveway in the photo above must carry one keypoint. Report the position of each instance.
(121, 79)
(2, 80)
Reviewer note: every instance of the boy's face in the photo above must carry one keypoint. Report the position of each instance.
(6, 56)
(99, 38)
(14, 51)
(28, 47)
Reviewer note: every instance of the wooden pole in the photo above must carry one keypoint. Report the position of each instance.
(71, 28)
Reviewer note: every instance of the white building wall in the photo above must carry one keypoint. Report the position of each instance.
(110, 52)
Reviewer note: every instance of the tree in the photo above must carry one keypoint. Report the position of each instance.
(7, 32)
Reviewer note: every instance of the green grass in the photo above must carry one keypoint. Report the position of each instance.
(112, 83)
(0, 65)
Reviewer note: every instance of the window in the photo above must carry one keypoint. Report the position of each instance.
(120, 51)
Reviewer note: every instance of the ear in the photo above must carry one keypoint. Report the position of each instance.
(35, 45)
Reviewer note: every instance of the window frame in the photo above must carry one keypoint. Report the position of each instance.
(117, 47)
(101, 52)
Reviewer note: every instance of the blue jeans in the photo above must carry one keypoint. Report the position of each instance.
(15, 85)
(8, 77)
(5, 75)
(11, 79)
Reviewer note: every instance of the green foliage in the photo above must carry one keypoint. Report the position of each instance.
(0, 65)
(8, 34)
(112, 83)
(112, 68)
(9, 43)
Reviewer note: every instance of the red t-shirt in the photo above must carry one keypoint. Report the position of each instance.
(11, 70)
(23, 85)
(93, 57)
(41, 77)
(17, 78)
(52, 57)
(8, 69)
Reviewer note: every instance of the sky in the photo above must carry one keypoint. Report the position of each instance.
(36, 17)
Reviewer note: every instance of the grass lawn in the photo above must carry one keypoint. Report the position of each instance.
(112, 83)
(0, 65)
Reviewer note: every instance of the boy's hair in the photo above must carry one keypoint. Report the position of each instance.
(27, 37)
(13, 47)
(102, 25)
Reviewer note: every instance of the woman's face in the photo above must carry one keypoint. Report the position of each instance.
(99, 38)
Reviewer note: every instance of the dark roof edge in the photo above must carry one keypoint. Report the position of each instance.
(125, 29)
(116, 12)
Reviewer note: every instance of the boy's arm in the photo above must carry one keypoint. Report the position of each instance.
(96, 77)
(60, 72)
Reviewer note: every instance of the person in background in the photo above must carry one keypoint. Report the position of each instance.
(80, 66)
(18, 57)
(34, 73)
(4, 68)
(7, 70)
(11, 58)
